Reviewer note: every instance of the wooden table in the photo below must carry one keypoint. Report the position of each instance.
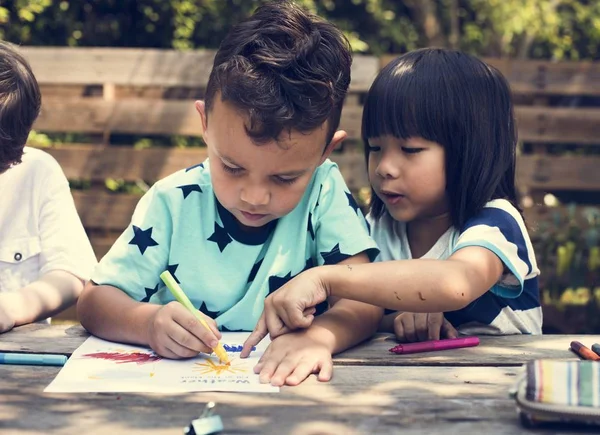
(452, 392)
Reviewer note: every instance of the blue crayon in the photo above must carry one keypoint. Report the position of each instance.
(596, 348)
(32, 359)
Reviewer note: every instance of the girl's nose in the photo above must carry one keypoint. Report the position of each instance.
(387, 168)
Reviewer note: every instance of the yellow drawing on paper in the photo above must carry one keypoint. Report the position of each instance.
(210, 367)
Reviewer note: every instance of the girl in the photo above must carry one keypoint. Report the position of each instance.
(440, 144)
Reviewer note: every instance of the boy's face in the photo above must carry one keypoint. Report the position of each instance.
(258, 183)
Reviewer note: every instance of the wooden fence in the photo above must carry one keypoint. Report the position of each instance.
(101, 93)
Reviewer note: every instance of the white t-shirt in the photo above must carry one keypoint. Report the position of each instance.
(512, 305)
(40, 229)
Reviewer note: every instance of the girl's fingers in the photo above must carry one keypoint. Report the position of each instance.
(326, 372)
(302, 371)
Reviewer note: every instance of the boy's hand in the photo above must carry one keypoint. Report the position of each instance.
(291, 358)
(7, 322)
(174, 332)
(411, 327)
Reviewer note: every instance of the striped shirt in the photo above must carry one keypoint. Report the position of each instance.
(512, 305)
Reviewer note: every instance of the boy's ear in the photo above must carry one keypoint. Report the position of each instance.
(338, 137)
(201, 109)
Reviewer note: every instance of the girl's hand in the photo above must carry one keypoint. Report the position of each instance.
(411, 327)
(291, 358)
(174, 332)
(290, 307)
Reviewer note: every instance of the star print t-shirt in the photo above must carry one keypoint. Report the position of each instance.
(180, 226)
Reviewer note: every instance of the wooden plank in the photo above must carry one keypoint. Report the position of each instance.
(558, 125)
(141, 116)
(358, 400)
(543, 77)
(168, 117)
(512, 350)
(147, 67)
(493, 351)
(559, 173)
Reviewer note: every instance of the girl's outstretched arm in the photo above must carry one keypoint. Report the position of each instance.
(416, 286)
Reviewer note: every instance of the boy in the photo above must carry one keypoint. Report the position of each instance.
(45, 255)
(265, 206)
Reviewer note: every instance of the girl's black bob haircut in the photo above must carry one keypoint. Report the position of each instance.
(458, 101)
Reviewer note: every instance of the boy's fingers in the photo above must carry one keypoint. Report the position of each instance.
(326, 372)
(213, 325)
(448, 330)
(301, 372)
(260, 331)
(189, 322)
(185, 339)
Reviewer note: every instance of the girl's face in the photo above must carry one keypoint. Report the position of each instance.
(409, 176)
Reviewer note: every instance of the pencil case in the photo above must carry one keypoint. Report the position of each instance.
(558, 392)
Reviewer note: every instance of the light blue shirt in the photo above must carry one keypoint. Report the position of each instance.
(179, 226)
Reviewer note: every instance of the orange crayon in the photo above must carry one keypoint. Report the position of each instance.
(584, 352)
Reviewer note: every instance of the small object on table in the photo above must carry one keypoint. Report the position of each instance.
(596, 348)
(584, 352)
(433, 345)
(208, 423)
(32, 359)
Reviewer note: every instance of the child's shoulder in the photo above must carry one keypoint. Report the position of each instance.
(36, 167)
(498, 212)
(196, 176)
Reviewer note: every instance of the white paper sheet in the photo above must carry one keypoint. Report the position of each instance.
(103, 366)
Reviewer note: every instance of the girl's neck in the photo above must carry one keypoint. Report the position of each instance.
(422, 234)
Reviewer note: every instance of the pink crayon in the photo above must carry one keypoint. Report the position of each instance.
(433, 345)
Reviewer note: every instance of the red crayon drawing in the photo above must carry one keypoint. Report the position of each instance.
(121, 358)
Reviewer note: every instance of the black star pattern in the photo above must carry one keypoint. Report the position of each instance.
(172, 268)
(199, 165)
(149, 293)
(204, 310)
(189, 188)
(352, 202)
(254, 271)
(310, 226)
(275, 282)
(142, 239)
(221, 237)
(334, 256)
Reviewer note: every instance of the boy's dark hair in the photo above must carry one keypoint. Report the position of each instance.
(20, 102)
(458, 101)
(285, 69)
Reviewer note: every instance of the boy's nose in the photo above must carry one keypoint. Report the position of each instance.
(255, 195)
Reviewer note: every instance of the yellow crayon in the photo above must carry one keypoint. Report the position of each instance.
(184, 300)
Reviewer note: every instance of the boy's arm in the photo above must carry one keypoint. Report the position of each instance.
(52, 293)
(113, 315)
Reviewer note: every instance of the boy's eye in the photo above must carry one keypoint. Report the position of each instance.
(409, 150)
(282, 180)
(233, 171)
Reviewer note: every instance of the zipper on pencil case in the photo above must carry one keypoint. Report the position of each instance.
(552, 412)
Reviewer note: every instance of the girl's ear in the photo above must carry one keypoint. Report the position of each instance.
(338, 137)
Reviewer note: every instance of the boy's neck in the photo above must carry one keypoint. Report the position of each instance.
(422, 234)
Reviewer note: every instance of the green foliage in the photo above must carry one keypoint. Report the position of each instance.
(557, 29)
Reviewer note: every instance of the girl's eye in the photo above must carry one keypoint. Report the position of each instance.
(282, 180)
(233, 171)
(408, 150)
(374, 149)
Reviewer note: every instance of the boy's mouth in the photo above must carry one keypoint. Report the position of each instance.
(253, 217)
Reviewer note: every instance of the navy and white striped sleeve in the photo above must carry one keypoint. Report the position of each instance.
(500, 228)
